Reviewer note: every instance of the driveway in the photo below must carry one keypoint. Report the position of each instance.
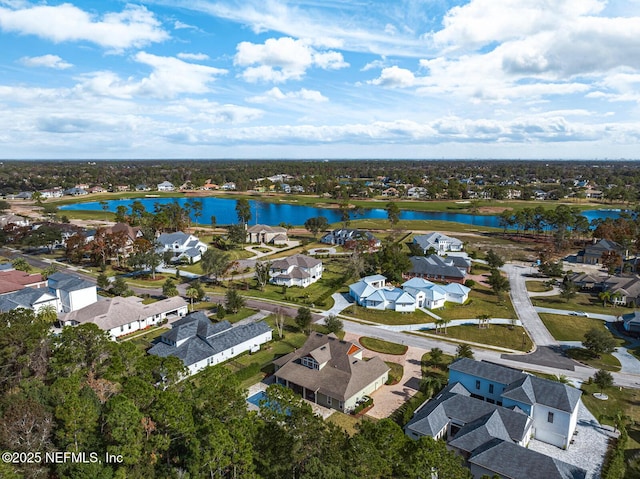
(389, 398)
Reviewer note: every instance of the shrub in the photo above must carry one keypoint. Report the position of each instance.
(363, 405)
(469, 283)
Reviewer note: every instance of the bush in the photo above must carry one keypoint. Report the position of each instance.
(363, 405)
(469, 283)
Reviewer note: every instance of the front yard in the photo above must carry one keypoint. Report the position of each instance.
(581, 302)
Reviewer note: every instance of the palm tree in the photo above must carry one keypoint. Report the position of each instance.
(192, 293)
(438, 322)
(48, 314)
(605, 296)
(445, 321)
(483, 321)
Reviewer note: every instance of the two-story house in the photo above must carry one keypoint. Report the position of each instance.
(440, 243)
(297, 270)
(182, 245)
(73, 292)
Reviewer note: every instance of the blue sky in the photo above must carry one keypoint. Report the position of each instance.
(320, 79)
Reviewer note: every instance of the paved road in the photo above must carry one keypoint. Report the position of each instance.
(524, 309)
(605, 317)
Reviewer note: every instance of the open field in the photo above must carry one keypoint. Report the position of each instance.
(495, 335)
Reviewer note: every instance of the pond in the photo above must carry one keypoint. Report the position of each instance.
(276, 213)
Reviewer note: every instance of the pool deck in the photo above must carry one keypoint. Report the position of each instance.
(318, 410)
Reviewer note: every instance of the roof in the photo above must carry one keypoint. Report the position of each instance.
(111, 313)
(25, 298)
(170, 238)
(483, 369)
(203, 339)
(69, 282)
(299, 260)
(434, 265)
(13, 280)
(534, 390)
(266, 229)
(131, 231)
(509, 460)
(343, 375)
(431, 239)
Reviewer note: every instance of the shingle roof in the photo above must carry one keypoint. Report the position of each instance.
(434, 265)
(68, 282)
(266, 229)
(486, 370)
(298, 260)
(511, 461)
(432, 239)
(534, 390)
(13, 280)
(342, 377)
(205, 339)
(170, 238)
(25, 298)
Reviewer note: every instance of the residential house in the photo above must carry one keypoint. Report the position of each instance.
(331, 372)
(267, 234)
(96, 189)
(166, 186)
(297, 270)
(183, 246)
(488, 413)
(73, 292)
(588, 281)
(10, 218)
(417, 192)
(52, 193)
(373, 292)
(142, 187)
(120, 316)
(12, 280)
(24, 195)
(592, 254)
(210, 186)
(28, 298)
(75, 191)
(229, 186)
(631, 322)
(624, 289)
(389, 192)
(131, 233)
(121, 187)
(352, 239)
(200, 343)
(452, 269)
(440, 243)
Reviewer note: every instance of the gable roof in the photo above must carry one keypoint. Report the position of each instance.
(25, 298)
(13, 280)
(343, 374)
(132, 232)
(299, 260)
(434, 265)
(266, 229)
(170, 238)
(433, 239)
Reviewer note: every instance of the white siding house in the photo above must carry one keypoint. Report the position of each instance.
(72, 292)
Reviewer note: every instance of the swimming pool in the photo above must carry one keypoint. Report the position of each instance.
(256, 398)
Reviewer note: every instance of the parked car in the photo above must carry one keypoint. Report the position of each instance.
(579, 313)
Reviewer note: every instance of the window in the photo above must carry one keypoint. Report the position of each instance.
(477, 384)
(491, 388)
(550, 417)
(329, 400)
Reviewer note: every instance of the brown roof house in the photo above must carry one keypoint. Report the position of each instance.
(592, 253)
(331, 372)
(267, 234)
(15, 280)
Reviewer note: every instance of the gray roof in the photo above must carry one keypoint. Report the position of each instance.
(434, 265)
(511, 461)
(534, 390)
(343, 375)
(433, 239)
(483, 369)
(170, 238)
(204, 339)
(24, 298)
(479, 432)
(68, 282)
(298, 260)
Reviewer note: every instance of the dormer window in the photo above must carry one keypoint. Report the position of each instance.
(310, 362)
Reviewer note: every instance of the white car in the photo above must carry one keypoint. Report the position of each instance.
(579, 313)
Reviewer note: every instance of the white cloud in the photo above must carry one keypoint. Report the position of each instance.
(170, 77)
(135, 26)
(48, 61)
(283, 59)
(395, 77)
(193, 56)
(275, 94)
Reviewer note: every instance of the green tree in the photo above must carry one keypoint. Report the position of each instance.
(262, 273)
(47, 313)
(316, 224)
(49, 270)
(304, 319)
(169, 288)
(243, 210)
(334, 324)
(215, 262)
(393, 261)
(105, 207)
(102, 281)
(436, 356)
(599, 341)
(568, 289)
(236, 234)
(464, 351)
(498, 283)
(493, 259)
(233, 302)
(603, 379)
(393, 213)
(191, 293)
(38, 198)
(21, 265)
(119, 286)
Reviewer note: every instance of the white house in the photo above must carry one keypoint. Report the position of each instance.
(28, 298)
(372, 292)
(120, 316)
(200, 343)
(73, 292)
(183, 246)
(297, 270)
(440, 243)
(166, 186)
(267, 234)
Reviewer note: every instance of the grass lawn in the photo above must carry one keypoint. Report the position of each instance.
(495, 335)
(481, 301)
(395, 375)
(608, 362)
(235, 317)
(569, 328)
(581, 302)
(381, 346)
(144, 340)
(538, 286)
(346, 421)
(387, 316)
